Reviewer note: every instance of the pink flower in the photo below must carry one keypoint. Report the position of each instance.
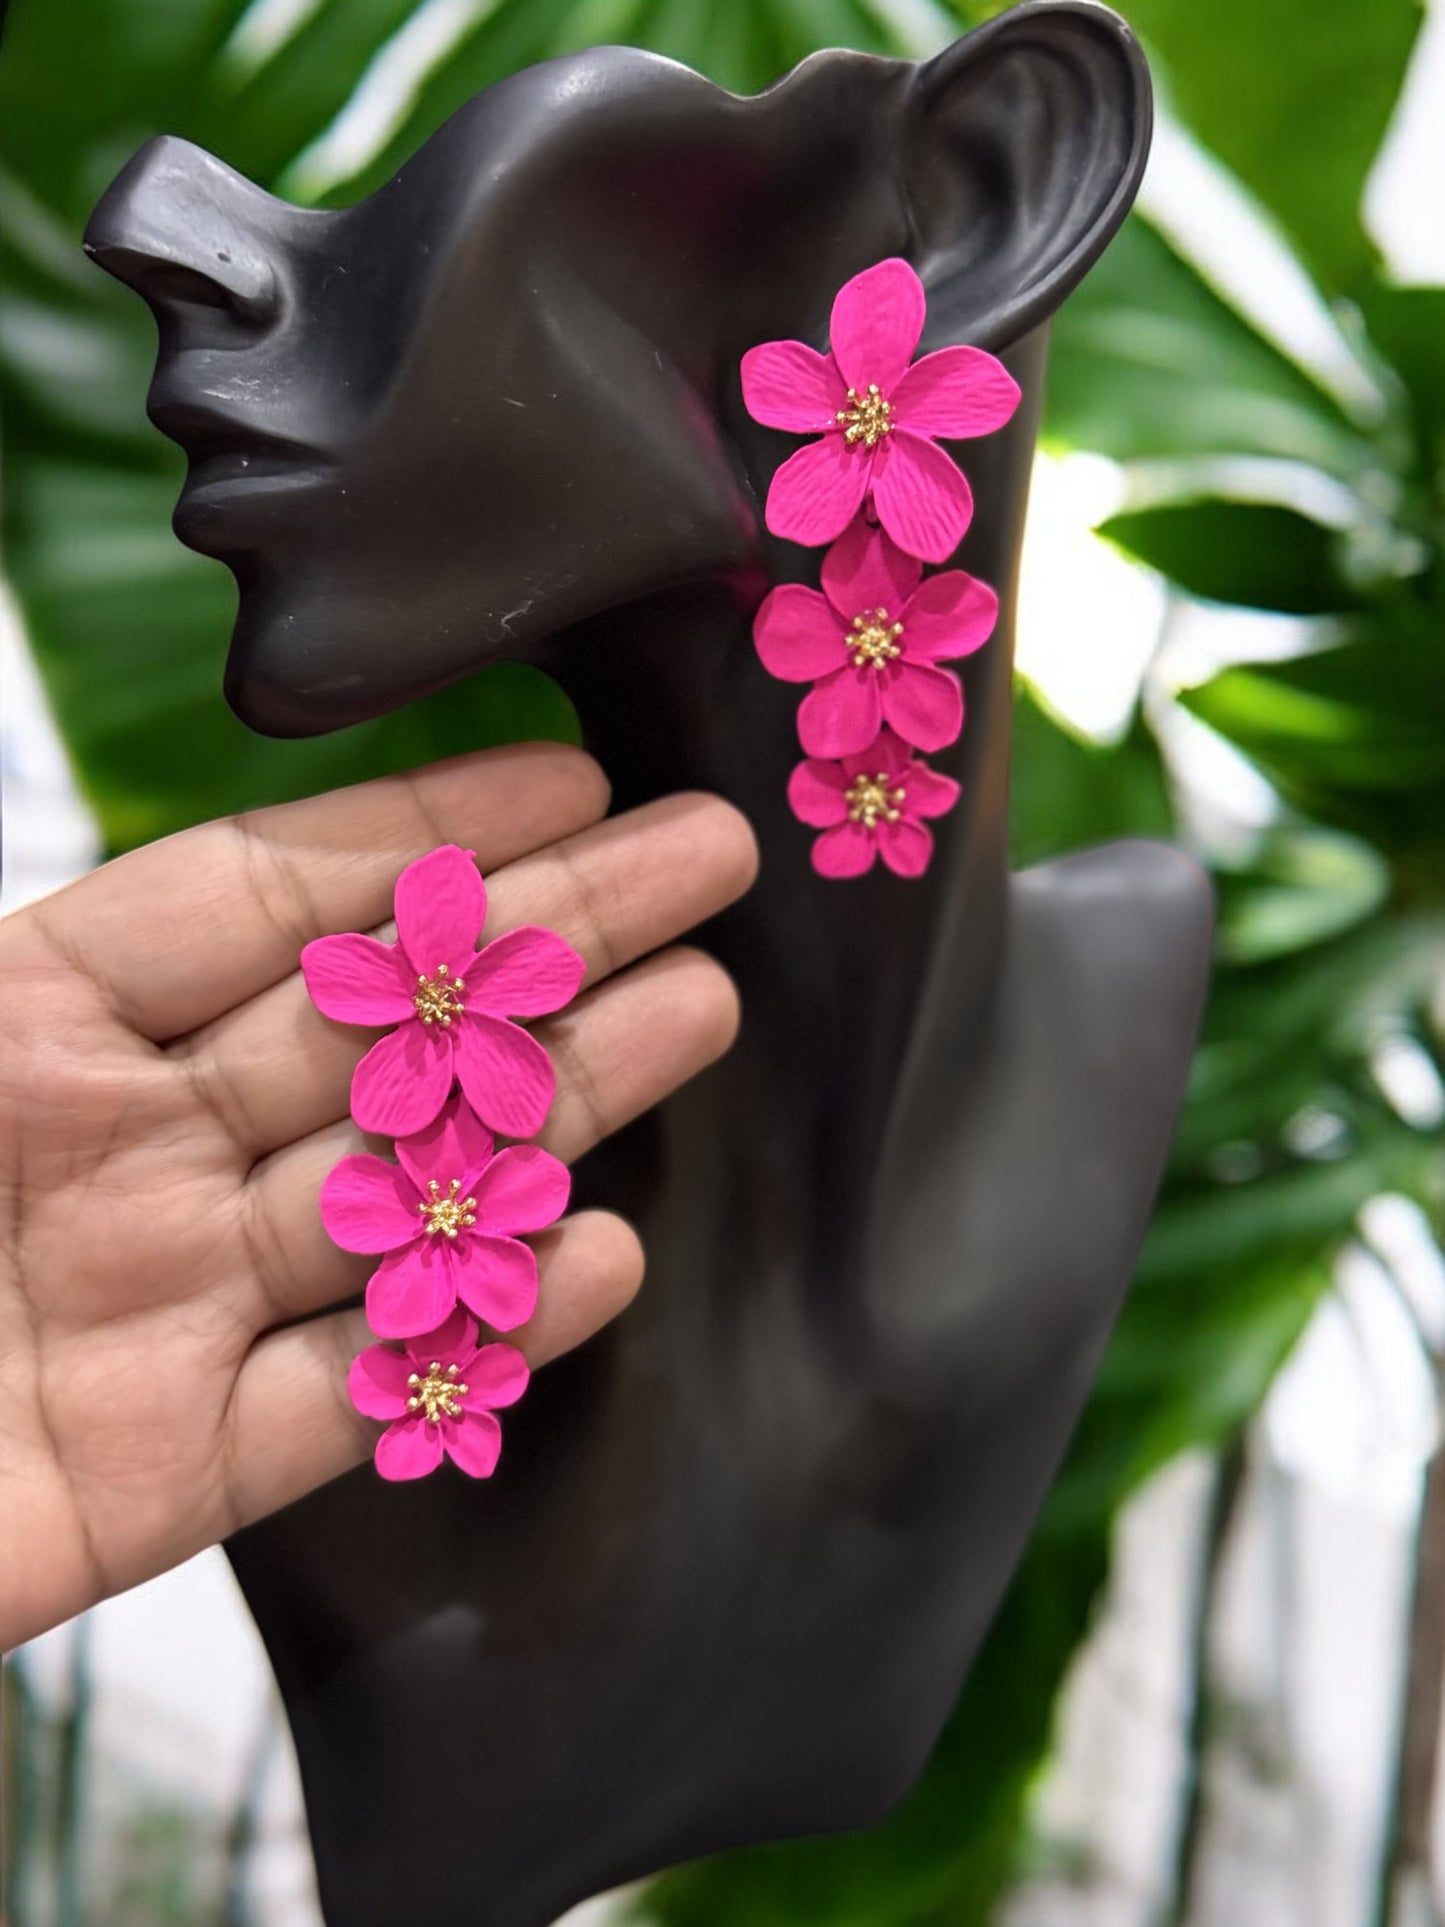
(871, 641)
(450, 1004)
(447, 1218)
(870, 805)
(878, 418)
(439, 1395)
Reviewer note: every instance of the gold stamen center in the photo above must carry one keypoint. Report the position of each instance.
(446, 1215)
(437, 1394)
(867, 418)
(874, 641)
(438, 998)
(870, 800)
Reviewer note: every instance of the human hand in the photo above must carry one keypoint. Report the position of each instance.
(171, 1363)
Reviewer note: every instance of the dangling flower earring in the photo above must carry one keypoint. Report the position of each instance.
(871, 643)
(448, 1219)
(880, 490)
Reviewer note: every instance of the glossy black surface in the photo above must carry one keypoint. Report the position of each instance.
(742, 1548)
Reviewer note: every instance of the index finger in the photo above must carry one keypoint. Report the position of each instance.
(185, 929)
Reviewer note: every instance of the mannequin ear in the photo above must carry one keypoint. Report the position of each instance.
(1024, 148)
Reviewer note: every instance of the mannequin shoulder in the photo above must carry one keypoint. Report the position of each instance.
(1027, 1158)
(1106, 972)
(1119, 934)
(1104, 979)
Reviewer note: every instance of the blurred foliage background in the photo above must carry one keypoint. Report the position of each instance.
(1253, 481)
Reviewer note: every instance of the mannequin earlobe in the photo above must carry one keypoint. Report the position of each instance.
(1025, 143)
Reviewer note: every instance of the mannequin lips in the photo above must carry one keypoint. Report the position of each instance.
(231, 457)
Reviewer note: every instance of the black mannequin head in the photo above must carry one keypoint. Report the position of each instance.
(740, 1550)
(451, 423)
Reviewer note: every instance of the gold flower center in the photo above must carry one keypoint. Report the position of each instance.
(874, 641)
(438, 998)
(870, 799)
(446, 1215)
(867, 418)
(437, 1394)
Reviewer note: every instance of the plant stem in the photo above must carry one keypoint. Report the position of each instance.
(22, 1824)
(245, 1823)
(1406, 1847)
(1214, 1543)
(70, 1814)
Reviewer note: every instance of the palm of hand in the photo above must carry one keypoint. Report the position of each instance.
(169, 1103)
(127, 1289)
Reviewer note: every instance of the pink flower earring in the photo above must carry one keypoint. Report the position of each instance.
(450, 1003)
(871, 805)
(448, 1219)
(880, 490)
(439, 1395)
(871, 643)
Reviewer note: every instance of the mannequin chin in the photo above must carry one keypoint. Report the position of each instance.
(741, 1550)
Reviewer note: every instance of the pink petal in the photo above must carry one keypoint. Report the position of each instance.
(847, 851)
(789, 385)
(956, 392)
(454, 1342)
(403, 1080)
(866, 570)
(905, 847)
(369, 1205)
(409, 1449)
(412, 1290)
(473, 1442)
(841, 714)
(924, 705)
(929, 793)
(496, 1278)
(815, 792)
(876, 324)
(358, 980)
(377, 1382)
(527, 973)
(817, 492)
(456, 1144)
(524, 1188)
(951, 614)
(887, 754)
(797, 634)
(441, 905)
(497, 1376)
(506, 1075)
(922, 499)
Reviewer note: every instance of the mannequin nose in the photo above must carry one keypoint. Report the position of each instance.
(183, 230)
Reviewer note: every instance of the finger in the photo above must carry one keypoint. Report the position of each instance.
(198, 922)
(276, 1070)
(291, 1425)
(621, 1049)
(632, 1042)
